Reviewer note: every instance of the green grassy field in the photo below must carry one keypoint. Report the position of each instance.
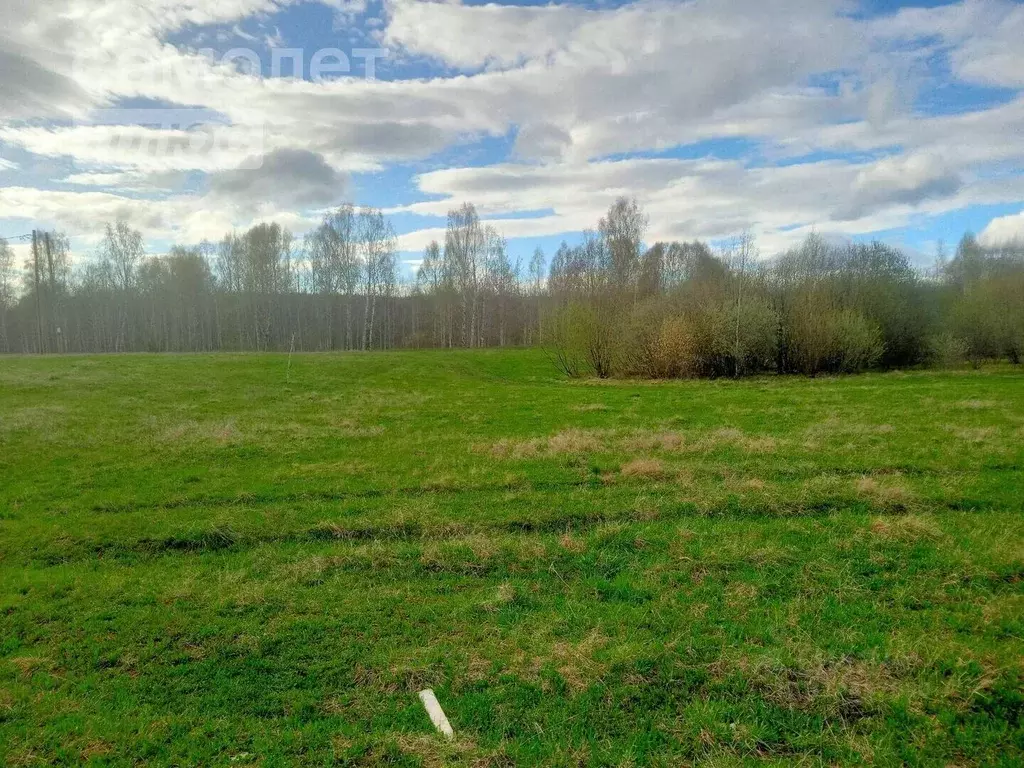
(227, 560)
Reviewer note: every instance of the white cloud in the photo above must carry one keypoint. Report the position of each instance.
(288, 177)
(1004, 229)
(575, 85)
(127, 181)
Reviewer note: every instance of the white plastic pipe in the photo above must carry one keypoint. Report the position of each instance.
(437, 716)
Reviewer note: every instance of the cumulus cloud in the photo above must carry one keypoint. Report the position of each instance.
(907, 180)
(30, 90)
(285, 177)
(1004, 229)
(575, 86)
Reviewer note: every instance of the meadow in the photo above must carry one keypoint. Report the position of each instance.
(238, 559)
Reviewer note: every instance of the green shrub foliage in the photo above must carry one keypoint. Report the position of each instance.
(682, 309)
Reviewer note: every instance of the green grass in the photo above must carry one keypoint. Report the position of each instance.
(227, 560)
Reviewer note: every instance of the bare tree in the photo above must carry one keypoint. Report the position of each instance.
(623, 229)
(333, 253)
(465, 255)
(124, 247)
(744, 251)
(377, 246)
(7, 292)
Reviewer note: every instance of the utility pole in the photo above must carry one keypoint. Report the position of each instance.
(50, 291)
(745, 244)
(39, 306)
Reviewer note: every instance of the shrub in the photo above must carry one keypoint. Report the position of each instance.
(581, 339)
(638, 343)
(655, 344)
(945, 350)
(824, 339)
(675, 353)
(734, 338)
(857, 343)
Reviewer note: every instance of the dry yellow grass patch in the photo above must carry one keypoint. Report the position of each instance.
(730, 436)
(842, 689)
(41, 419)
(647, 467)
(739, 593)
(892, 494)
(319, 469)
(575, 661)
(588, 407)
(28, 665)
(976, 405)
(482, 547)
(435, 751)
(96, 748)
(646, 509)
(652, 441)
(974, 434)
(759, 444)
(512, 449)
(574, 441)
(1003, 608)
(907, 528)
(219, 432)
(572, 543)
(505, 595)
(440, 483)
(309, 569)
(349, 428)
(835, 428)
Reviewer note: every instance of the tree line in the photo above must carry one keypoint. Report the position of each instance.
(607, 306)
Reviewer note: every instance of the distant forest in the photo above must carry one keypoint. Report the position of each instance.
(605, 307)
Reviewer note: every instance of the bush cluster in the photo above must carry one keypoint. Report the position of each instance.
(819, 309)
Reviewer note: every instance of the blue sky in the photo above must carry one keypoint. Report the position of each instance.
(856, 120)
